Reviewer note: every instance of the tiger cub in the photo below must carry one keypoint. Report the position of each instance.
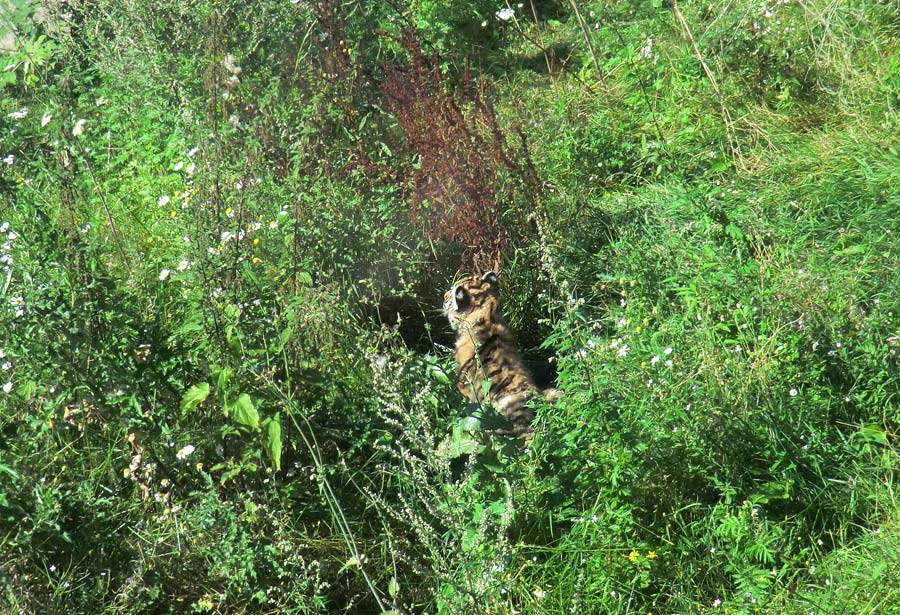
(486, 350)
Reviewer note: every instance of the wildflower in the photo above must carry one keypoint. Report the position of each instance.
(8, 387)
(668, 363)
(505, 14)
(183, 265)
(185, 451)
(10, 159)
(178, 166)
(651, 554)
(164, 274)
(46, 119)
(667, 351)
(4, 227)
(273, 224)
(78, 129)
(189, 169)
(539, 593)
(793, 392)
(163, 200)
(192, 151)
(6, 366)
(20, 114)
(716, 603)
(633, 556)
(621, 323)
(623, 350)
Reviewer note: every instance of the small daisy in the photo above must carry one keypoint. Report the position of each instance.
(164, 274)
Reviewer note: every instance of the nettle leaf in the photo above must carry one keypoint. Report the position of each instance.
(244, 412)
(194, 396)
(273, 440)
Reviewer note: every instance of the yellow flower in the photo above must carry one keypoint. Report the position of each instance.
(255, 260)
(651, 554)
(634, 556)
(632, 283)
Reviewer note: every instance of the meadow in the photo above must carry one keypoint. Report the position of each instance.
(226, 384)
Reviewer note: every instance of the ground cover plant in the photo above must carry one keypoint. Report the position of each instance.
(225, 382)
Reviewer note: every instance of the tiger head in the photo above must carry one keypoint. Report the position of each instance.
(473, 299)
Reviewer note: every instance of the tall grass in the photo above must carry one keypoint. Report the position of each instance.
(226, 383)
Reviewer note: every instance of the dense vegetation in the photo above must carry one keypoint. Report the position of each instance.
(226, 231)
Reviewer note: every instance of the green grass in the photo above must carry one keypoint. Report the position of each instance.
(228, 384)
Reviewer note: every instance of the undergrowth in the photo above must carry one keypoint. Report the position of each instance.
(227, 386)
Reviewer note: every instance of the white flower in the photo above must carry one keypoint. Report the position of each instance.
(20, 114)
(185, 451)
(6, 366)
(7, 387)
(178, 165)
(668, 363)
(183, 265)
(654, 360)
(273, 224)
(668, 351)
(716, 603)
(16, 301)
(623, 350)
(189, 169)
(793, 392)
(505, 14)
(46, 119)
(192, 151)
(163, 200)
(622, 323)
(164, 274)
(4, 227)
(9, 159)
(539, 593)
(78, 130)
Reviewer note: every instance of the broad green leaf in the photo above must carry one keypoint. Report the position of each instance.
(194, 396)
(243, 411)
(273, 440)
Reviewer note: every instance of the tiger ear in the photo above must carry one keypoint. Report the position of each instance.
(491, 278)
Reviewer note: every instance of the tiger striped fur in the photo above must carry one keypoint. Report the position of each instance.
(486, 350)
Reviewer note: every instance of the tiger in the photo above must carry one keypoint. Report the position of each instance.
(486, 351)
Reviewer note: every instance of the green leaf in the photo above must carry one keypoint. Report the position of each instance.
(243, 411)
(222, 379)
(273, 440)
(195, 396)
(393, 587)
